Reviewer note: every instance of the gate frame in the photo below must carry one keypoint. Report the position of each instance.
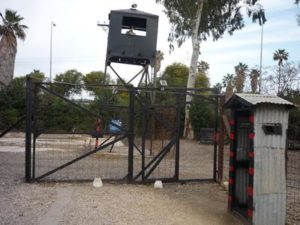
(133, 94)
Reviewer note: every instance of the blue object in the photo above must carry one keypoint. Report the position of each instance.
(114, 126)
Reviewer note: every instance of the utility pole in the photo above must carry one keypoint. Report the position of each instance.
(51, 27)
(261, 51)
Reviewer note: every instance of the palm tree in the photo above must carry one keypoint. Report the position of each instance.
(280, 55)
(256, 11)
(203, 66)
(240, 71)
(10, 30)
(254, 74)
(228, 82)
(159, 56)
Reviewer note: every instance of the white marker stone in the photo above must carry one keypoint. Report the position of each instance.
(97, 182)
(158, 184)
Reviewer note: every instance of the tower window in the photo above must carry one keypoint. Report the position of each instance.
(134, 26)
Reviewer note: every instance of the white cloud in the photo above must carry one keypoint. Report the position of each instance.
(78, 42)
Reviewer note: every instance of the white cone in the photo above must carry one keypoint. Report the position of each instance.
(158, 184)
(225, 184)
(97, 182)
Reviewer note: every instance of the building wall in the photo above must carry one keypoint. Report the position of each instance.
(269, 167)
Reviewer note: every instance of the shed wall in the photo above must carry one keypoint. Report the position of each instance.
(269, 164)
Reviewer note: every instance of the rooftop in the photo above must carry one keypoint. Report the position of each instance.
(255, 99)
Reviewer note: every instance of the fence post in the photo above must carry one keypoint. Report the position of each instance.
(215, 137)
(28, 129)
(177, 157)
(144, 129)
(221, 141)
(131, 134)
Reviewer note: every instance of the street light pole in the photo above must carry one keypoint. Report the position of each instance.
(51, 27)
(261, 51)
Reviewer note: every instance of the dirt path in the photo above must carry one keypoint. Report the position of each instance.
(198, 204)
(56, 213)
(114, 204)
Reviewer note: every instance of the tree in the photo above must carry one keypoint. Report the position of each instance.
(94, 78)
(72, 77)
(298, 15)
(13, 99)
(280, 81)
(218, 86)
(199, 19)
(254, 74)
(10, 30)
(12, 102)
(228, 82)
(240, 72)
(203, 66)
(176, 75)
(37, 75)
(159, 56)
(280, 55)
(257, 11)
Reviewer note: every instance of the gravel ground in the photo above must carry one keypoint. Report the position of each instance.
(114, 204)
(47, 203)
(137, 204)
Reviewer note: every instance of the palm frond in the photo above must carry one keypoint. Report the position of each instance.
(23, 26)
(1, 30)
(11, 25)
(10, 15)
(20, 34)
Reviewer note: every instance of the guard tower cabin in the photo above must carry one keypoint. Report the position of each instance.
(132, 37)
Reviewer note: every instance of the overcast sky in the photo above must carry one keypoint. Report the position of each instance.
(78, 43)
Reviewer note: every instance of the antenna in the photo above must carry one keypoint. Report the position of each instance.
(103, 25)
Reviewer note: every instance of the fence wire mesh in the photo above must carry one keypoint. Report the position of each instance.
(73, 126)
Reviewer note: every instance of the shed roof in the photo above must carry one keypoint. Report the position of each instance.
(134, 12)
(255, 99)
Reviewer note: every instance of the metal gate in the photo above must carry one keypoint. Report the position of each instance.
(110, 131)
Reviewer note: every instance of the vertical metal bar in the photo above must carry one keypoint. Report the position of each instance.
(34, 128)
(143, 141)
(177, 145)
(221, 141)
(28, 129)
(215, 138)
(131, 134)
(152, 123)
(33, 155)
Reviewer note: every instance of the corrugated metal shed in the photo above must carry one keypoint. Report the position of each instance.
(258, 158)
(269, 163)
(255, 99)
